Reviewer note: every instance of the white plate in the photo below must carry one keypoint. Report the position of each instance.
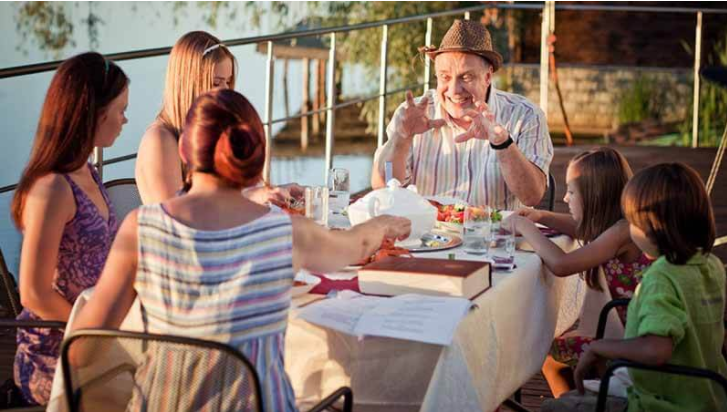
(310, 282)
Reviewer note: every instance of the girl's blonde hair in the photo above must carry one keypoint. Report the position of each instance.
(190, 73)
(602, 174)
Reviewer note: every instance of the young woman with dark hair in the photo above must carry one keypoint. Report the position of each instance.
(217, 251)
(62, 209)
(595, 180)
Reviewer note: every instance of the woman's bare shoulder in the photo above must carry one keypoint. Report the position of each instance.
(158, 140)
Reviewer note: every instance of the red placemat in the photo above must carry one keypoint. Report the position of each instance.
(328, 285)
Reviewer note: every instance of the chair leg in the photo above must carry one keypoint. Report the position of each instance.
(518, 395)
(328, 402)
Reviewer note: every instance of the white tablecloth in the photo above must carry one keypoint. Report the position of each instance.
(498, 346)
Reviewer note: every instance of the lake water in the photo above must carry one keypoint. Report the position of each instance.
(140, 25)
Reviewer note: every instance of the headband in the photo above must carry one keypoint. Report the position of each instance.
(213, 47)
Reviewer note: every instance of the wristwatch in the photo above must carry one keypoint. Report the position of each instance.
(504, 145)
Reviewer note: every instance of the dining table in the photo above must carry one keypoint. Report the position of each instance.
(497, 347)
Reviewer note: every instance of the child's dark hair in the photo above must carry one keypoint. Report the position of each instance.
(670, 204)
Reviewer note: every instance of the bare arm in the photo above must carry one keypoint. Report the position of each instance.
(48, 207)
(522, 177)
(649, 349)
(114, 293)
(595, 253)
(158, 166)
(320, 250)
(562, 222)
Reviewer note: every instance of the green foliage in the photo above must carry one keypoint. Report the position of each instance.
(712, 102)
(642, 101)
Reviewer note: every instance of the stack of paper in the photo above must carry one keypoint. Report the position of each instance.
(429, 319)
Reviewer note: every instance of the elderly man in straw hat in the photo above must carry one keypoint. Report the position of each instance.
(467, 139)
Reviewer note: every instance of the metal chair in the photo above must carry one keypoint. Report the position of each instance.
(622, 363)
(11, 308)
(119, 370)
(551, 192)
(124, 196)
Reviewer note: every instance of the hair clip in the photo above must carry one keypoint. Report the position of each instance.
(213, 47)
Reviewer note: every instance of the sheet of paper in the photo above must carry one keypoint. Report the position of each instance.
(429, 319)
(340, 313)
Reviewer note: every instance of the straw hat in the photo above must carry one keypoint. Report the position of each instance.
(466, 36)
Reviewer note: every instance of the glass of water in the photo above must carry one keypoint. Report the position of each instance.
(316, 204)
(503, 254)
(339, 187)
(476, 230)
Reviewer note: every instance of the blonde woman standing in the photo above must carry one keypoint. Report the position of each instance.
(198, 63)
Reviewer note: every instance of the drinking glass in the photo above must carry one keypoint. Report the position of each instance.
(503, 254)
(316, 204)
(339, 189)
(476, 230)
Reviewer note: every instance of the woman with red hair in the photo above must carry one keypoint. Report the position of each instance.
(63, 210)
(214, 250)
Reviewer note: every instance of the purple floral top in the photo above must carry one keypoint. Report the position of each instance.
(82, 253)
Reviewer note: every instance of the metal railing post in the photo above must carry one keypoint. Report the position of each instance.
(382, 83)
(544, 70)
(697, 64)
(427, 60)
(466, 15)
(331, 110)
(269, 81)
(98, 161)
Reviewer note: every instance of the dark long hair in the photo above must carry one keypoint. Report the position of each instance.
(670, 204)
(223, 135)
(602, 174)
(81, 89)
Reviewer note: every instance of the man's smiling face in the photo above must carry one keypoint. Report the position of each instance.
(462, 79)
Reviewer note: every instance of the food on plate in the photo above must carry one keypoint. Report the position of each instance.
(454, 213)
(387, 248)
(449, 213)
(297, 283)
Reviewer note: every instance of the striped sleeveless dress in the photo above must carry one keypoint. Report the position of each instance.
(232, 286)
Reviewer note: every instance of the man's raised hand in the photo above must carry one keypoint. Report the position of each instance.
(414, 118)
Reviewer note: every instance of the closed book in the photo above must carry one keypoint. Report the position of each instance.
(440, 277)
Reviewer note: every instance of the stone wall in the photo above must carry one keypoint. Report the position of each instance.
(592, 94)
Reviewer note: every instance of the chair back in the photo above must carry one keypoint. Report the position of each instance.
(9, 298)
(551, 192)
(124, 195)
(114, 370)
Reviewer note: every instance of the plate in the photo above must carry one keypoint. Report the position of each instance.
(309, 282)
(436, 240)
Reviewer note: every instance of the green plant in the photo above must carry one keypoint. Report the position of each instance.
(642, 101)
(712, 102)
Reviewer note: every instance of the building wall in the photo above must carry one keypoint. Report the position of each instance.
(592, 94)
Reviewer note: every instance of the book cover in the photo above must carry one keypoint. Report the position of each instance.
(440, 277)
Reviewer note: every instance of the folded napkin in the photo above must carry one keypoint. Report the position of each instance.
(328, 285)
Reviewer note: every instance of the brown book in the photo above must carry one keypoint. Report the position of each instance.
(442, 277)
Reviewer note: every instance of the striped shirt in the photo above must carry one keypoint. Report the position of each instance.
(232, 286)
(471, 170)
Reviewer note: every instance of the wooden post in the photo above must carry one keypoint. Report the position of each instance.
(317, 98)
(322, 87)
(305, 107)
(285, 88)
